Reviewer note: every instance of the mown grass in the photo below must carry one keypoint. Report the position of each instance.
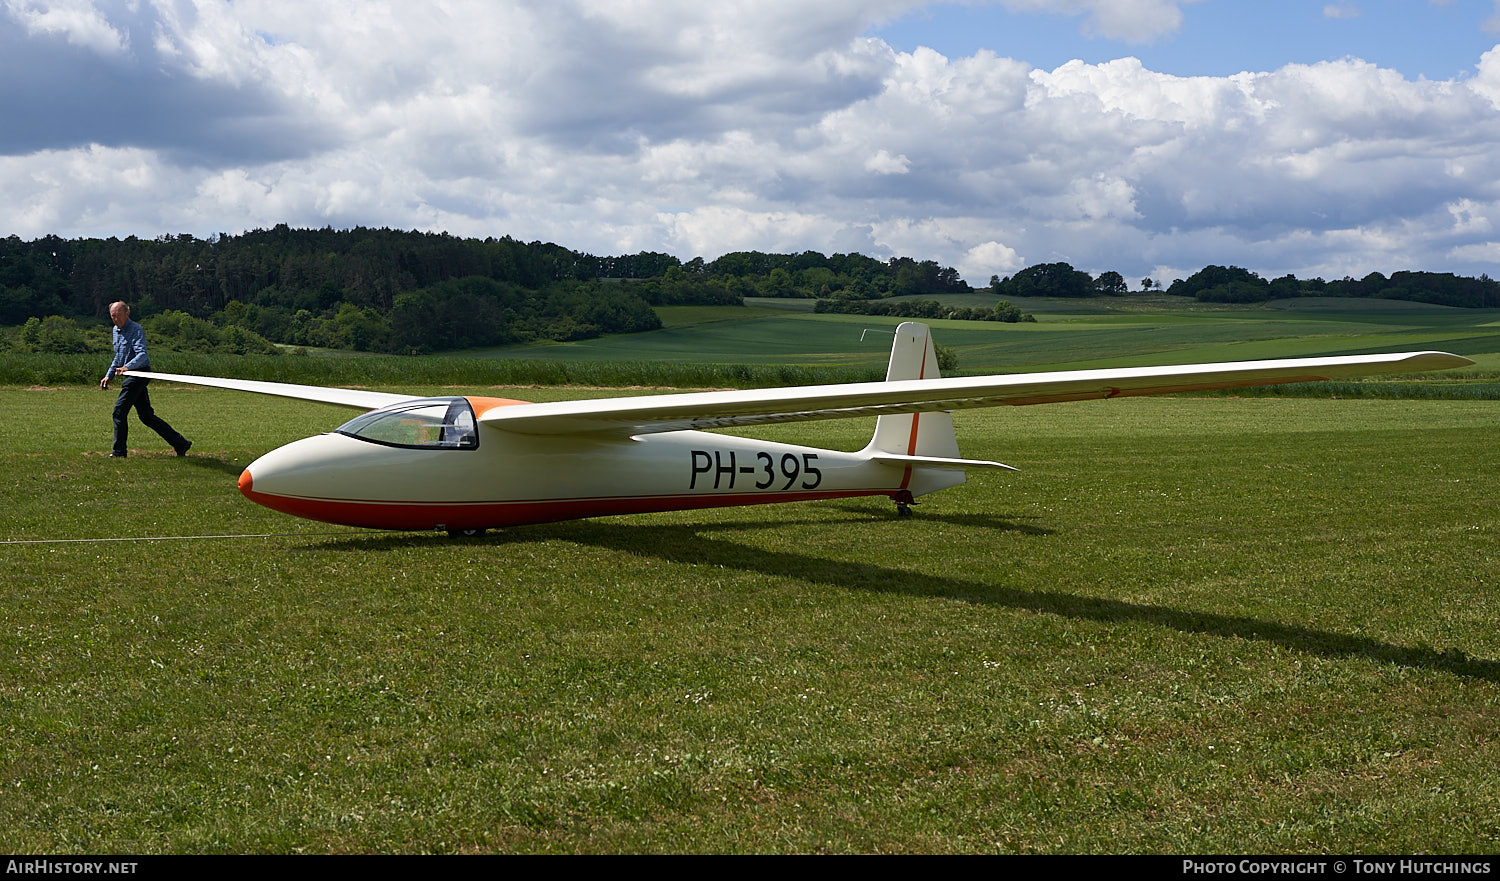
(1188, 625)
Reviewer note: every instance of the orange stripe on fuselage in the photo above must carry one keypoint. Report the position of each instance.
(484, 405)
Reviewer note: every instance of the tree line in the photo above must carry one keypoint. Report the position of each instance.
(317, 270)
(390, 290)
(930, 309)
(386, 290)
(1231, 284)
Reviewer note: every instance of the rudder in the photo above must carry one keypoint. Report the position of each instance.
(913, 356)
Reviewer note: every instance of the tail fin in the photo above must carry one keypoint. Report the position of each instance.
(924, 444)
(913, 356)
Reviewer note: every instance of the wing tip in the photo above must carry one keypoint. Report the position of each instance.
(1437, 360)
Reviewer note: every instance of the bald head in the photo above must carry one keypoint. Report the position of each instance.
(119, 313)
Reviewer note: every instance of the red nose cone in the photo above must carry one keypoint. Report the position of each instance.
(245, 482)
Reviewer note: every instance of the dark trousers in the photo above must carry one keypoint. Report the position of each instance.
(133, 394)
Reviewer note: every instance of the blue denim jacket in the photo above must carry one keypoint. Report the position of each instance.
(130, 349)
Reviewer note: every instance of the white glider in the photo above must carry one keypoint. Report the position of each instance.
(466, 463)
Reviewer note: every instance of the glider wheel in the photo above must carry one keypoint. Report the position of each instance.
(465, 533)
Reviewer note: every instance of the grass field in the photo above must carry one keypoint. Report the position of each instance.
(1187, 625)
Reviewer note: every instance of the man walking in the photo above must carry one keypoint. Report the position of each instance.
(130, 354)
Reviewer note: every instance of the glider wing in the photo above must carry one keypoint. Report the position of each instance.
(648, 414)
(343, 397)
(727, 409)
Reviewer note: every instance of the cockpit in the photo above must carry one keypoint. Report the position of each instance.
(422, 424)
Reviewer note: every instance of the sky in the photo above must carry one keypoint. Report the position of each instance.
(1149, 137)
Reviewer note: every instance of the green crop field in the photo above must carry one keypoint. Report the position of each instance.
(773, 343)
(1131, 331)
(1187, 625)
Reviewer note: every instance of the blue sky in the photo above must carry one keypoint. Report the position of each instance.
(1415, 37)
(1150, 137)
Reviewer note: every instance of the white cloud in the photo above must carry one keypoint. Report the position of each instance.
(701, 128)
(76, 21)
(1482, 252)
(86, 191)
(987, 259)
(717, 230)
(1470, 216)
(884, 163)
(1487, 83)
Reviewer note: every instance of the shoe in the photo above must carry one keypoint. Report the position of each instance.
(116, 454)
(182, 450)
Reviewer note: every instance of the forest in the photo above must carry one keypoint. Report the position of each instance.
(384, 290)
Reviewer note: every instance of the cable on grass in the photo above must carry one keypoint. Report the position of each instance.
(47, 541)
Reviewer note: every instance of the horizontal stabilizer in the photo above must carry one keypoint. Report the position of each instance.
(937, 461)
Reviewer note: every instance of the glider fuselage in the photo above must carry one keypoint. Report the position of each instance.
(502, 478)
